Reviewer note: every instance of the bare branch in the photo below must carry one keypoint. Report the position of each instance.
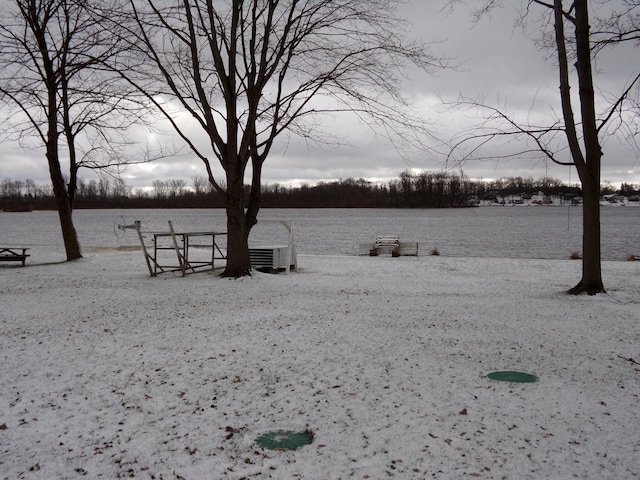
(498, 125)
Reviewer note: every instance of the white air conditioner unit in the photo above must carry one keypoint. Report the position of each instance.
(276, 258)
(273, 258)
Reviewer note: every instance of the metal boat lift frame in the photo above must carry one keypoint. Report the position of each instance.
(181, 242)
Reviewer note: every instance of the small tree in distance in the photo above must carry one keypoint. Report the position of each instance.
(248, 72)
(582, 137)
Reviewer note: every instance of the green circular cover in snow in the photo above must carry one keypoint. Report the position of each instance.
(284, 440)
(517, 377)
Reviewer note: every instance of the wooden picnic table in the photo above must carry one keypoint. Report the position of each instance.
(13, 254)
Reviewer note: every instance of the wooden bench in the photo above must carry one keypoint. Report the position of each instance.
(13, 254)
(390, 244)
(386, 243)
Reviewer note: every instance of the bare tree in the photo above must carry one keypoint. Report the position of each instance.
(120, 189)
(248, 72)
(582, 137)
(176, 187)
(30, 187)
(51, 77)
(199, 185)
(160, 188)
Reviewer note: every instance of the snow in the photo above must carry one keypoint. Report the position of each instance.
(108, 373)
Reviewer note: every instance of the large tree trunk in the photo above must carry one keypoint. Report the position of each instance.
(69, 234)
(63, 201)
(591, 281)
(587, 163)
(238, 228)
(589, 168)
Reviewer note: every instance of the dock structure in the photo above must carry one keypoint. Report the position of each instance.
(183, 245)
(389, 244)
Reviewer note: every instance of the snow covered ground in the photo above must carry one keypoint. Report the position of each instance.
(108, 373)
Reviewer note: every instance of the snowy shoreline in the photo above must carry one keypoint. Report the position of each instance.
(110, 373)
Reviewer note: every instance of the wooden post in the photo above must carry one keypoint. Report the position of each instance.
(137, 226)
(181, 259)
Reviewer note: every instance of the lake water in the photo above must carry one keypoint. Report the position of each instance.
(511, 231)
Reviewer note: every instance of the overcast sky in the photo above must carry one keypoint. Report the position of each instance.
(497, 62)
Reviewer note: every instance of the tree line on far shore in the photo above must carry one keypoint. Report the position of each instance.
(409, 190)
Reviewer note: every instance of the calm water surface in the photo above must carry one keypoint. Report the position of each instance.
(515, 232)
